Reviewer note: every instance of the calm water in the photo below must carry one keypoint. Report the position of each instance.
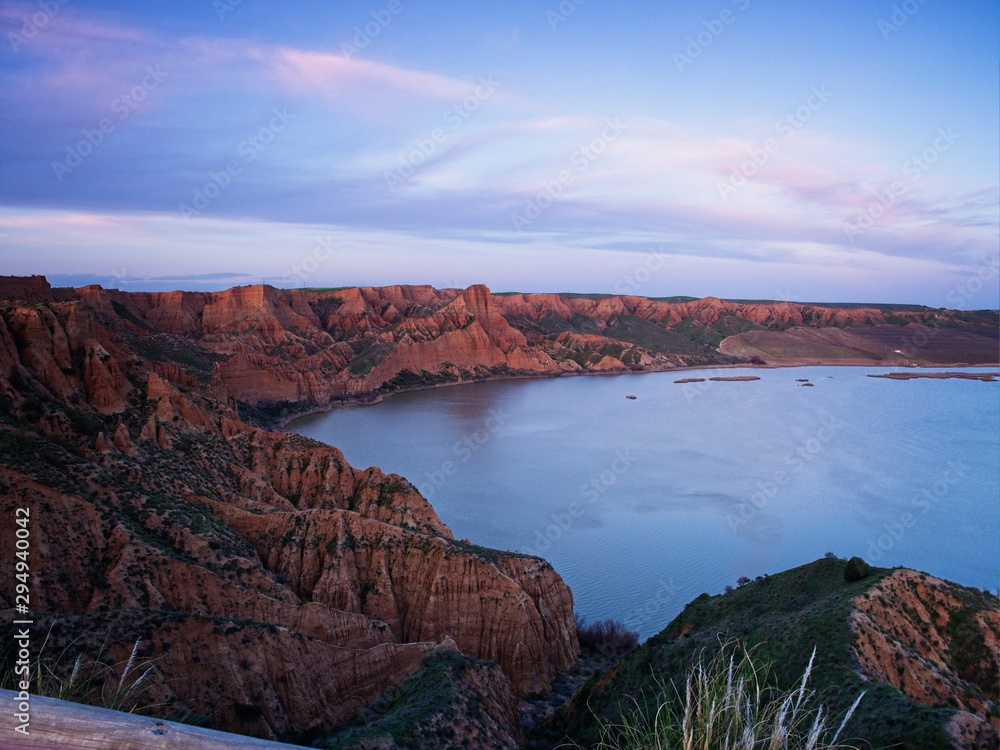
(643, 504)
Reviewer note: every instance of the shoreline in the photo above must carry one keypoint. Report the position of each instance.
(362, 400)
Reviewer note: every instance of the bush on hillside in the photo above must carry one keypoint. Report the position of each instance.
(855, 570)
(608, 637)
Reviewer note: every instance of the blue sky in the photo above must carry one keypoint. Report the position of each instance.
(821, 151)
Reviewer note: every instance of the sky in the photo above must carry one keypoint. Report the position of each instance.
(831, 150)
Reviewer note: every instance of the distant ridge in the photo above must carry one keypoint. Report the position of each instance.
(274, 353)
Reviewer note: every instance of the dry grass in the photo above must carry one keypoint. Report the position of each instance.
(727, 704)
(94, 682)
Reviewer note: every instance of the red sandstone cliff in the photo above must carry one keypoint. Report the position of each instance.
(277, 588)
(274, 352)
(917, 633)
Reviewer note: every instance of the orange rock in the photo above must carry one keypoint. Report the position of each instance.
(43, 347)
(274, 559)
(103, 380)
(901, 636)
(122, 440)
(26, 289)
(103, 445)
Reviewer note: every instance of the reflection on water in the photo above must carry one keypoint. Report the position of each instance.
(643, 504)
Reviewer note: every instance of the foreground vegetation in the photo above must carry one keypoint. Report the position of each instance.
(728, 702)
(93, 681)
(454, 701)
(779, 619)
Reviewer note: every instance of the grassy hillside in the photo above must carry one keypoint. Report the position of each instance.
(781, 617)
(454, 701)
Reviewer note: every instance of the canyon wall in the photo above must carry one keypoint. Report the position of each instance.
(271, 353)
(272, 588)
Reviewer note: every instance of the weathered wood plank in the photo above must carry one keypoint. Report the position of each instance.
(59, 725)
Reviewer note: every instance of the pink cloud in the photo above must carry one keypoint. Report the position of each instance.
(335, 74)
(75, 57)
(84, 57)
(66, 26)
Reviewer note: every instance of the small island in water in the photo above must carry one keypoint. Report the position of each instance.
(986, 377)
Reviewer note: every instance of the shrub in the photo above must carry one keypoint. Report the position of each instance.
(855, 570)
(608, 637)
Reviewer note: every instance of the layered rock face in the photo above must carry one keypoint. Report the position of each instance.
(274, 588)
(920, 635)
(272, 352)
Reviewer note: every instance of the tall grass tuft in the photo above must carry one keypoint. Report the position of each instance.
(93, 682)
(122, 697)
(727, 704)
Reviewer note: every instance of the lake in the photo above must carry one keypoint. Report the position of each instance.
(643, 504)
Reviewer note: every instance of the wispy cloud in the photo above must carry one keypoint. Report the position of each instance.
(84, 57)
(337, 75)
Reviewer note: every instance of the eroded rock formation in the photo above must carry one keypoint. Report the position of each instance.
(275, 588)
(272, 352)
(920, 635)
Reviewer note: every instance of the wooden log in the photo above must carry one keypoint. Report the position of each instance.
(60, 725)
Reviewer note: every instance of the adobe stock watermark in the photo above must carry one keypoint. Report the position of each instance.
(967, 290)
(250, 148)
(590, 493)
(897, 527)
(118, 279)
(786, 295)
(901, 13)
(33, 25)
(885, 197)
(795, 461)
(665, 594)
(454, 117)
(322, 252)
(912, 343)
(562, 13)
(463, 450)
(123, 106)
(364, 35)
(785, 127)
(958, 297)
(580, 160)
(223, 8)
(631, 283)
(714, 28)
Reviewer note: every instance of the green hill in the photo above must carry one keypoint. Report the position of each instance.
(782, 617)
